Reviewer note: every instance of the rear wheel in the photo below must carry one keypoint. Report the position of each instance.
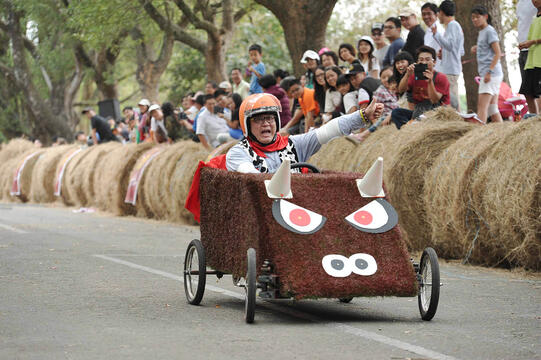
(250, 288)
(195, 275)
(429, 284)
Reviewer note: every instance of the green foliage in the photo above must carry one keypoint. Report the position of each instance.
(186, 72)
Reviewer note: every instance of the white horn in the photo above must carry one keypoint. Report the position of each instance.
(279, 187)
(372, 183)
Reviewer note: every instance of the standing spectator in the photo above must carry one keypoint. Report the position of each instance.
(392, 29)
(210, 125)
(429, 14)
(158, 132)
(144, 120)
(368, 60)
(100, 127)
(329, 58)
(488, 65)
(268, 83)
(239, 86)
(211, 87)
(256, 67)
(424, 93)
(310, 61)
(320, 86)
(346, 52)
(416, 35)
(308, 105)
(529, 37)
(333, 98)
(379, 41)
(200, 104)
(452, 48)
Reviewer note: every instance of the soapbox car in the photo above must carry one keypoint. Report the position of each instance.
(321, 236)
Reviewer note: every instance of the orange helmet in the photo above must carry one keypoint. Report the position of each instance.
(258, 104)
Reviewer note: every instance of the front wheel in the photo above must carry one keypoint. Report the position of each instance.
(195, 272)
(250, 288)
(429, 284)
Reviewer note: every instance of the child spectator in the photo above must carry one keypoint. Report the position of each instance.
(531, 85)
(386, 92)
(268, 83)
(488, 65)
(256, 67)
(367, 58)
(308, 105)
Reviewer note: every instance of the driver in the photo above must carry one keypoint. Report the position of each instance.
(263, 149)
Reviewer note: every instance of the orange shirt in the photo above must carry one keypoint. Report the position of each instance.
(308, 102)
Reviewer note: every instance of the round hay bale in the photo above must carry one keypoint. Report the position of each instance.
(448, 192)
(75, 176)
(222, 149)
(181, 180)
(44, 174)
(420, 144)
(507, 190)
(26, 173)
(157, 191)
(444, 114)
(114, 177)
(334, 154)
(382, 143)
(13, 148)
(68, 191)
(86, 193)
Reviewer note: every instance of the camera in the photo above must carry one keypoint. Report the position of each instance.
(218, 110)
(419, 70)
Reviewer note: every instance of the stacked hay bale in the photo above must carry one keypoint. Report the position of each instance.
(25, 181)
(10, 151)
(448, 188)
(178, 184)
(382, 143)
(44, 174)
(419, 146)
(113, 175)
(68, 192)
(507, 199)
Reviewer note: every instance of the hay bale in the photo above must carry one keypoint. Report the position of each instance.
(14, 148)
(68, 191)
(334, 154)
(114, 177)
(421, 144)
(44, 174)
(448, 192)
(26, 174)
(382, 143)
(444, 114)
(85, 194)
(507, 197)
(180, 182)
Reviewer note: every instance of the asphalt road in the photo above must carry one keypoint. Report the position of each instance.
(91, 286)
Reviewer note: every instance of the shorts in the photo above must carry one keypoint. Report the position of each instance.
(492, 87)
(531, 84)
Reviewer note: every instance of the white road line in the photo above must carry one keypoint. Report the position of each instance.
(298, 314)
(11, 228)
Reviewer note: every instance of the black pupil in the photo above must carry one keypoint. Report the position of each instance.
(361, 264)
(337, 264)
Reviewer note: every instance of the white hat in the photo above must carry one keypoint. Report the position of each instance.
(153, 107)
(309, 54)
(225, 85)
(406, 12)
(144, 102)
(368, 39)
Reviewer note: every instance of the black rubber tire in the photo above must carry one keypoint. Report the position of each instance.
(305, 165)
(195, 247)
(251, 286)
(429, 285)
(345, 300)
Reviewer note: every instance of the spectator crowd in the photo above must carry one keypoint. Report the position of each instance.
(409, 76)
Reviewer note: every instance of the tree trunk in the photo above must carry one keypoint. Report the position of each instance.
(463, 16)
(304, 24)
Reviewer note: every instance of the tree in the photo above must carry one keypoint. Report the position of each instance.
(463, 16)
(203, 16)
(304, 23)
(43, 68)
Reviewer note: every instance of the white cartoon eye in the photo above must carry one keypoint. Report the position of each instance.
(378, 216)
(295, 218)
(363, 264)
(336, 265)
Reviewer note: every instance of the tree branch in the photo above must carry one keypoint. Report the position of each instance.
(197, 22)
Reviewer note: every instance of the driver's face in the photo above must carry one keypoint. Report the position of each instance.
(263, 127)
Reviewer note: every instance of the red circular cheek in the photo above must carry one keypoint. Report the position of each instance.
(363, 217)
(299, 217)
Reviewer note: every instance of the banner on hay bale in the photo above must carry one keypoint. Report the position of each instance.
(16, 184)
(137, 173)
(60, 173)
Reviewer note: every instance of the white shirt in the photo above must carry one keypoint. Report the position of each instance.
(155, 123)
(375, 66)
(433, 43)
(333, 98)
(525, 14)
(211, 125)
(350, 100)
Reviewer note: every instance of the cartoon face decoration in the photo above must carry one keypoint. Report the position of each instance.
(341, 266)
